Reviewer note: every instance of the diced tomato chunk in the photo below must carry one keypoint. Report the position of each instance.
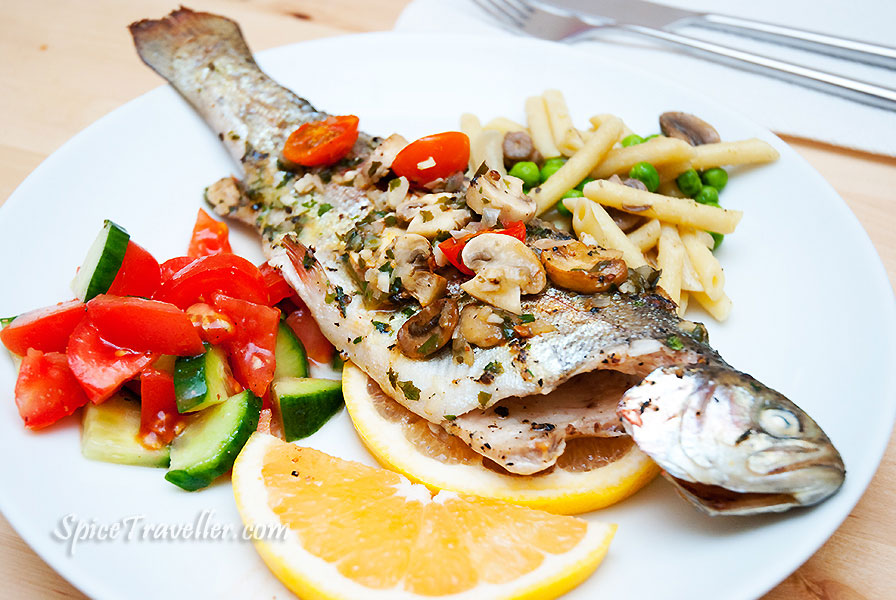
(318, 347)
(159, 419)
(46, 389)
(144, 325)
(99, 366)
(45, 329)
(173, 265)
(212, 325)
(252, 349)
(209, 237)
(228, 274)
(139, 274)
(278, 287)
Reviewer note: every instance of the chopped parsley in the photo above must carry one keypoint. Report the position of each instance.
(382, 327)
(408, 311)
(324, 209)
(484, 397)
(674, 342)
(357, 340)
(527, 318)
(410, 391)
(494, 367)
(393, 378)
(430, 345)
(449, 417)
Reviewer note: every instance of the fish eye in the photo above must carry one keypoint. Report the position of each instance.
(779, 422)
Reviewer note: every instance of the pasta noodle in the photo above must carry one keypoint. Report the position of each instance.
(745, 152)
(708, 269)
(657, 151)
(504, 125)
(719, 309)
(646, 236)
(566, 137)
(681, 211)
(486, 148)
(540, 128)
(577, 167)
(470, 125)
(590, 218)
(670, 259)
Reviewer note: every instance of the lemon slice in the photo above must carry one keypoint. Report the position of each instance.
(355, 531)
(592, 473)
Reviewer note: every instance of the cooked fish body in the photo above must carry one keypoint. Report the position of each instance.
(308, 218)
(205, 58)
(718, 428)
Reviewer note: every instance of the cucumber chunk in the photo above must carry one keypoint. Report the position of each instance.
(289, 354)
(305, 404)
(16, 359)
(201, 381)
(102, 262)
(207, 447)
(110, 434)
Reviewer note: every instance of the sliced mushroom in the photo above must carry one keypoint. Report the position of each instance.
(584, 269)
(380, 160)
(437, 219)
(518, 146)
(428, 330)
(501, 192)
(412, 253)
(481, 326)
(689, 128)
(505, 269)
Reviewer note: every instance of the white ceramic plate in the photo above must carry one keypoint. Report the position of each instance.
(813, 316)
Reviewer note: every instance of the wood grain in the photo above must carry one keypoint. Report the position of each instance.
(65, 64)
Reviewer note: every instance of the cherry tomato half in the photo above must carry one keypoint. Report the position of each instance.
(198, 281)
(45, 329)
(433, 157)
(278, 288)
(318, 348)
(46, 389)
(159, 419)
(212, 325)
(452, 248)
(251, 350)
(209, 237)
(321, 142)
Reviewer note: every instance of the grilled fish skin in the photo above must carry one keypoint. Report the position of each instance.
(715, 431)
(305, 217)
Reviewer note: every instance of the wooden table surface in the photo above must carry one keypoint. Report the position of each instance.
(65, 64)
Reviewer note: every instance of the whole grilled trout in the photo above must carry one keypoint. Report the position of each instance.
(318, 224)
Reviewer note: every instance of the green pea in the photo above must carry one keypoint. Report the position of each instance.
(551, 166)
(689, 183)
(716, 177)
(646, 174)
(708, 195)
(631, 140)
(561, 208)
(527, 171)
(581, 186)
(717, 237)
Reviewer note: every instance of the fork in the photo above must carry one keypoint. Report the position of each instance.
(554, 23)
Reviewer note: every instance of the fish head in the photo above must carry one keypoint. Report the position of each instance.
(729, 443)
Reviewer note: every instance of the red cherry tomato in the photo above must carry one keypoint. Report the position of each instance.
(251, 350)
(139, 274)
(433, 157)
(173, 265)
(45, 329)
(144, 325)
(318, 348)
(278, 288)
(209, 237)
(213, 326)
(452, 248)
(199, 280)
(322, 142)
(46, 389)
(101, 367)
(159, 419)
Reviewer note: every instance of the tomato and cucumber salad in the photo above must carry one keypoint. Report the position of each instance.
(171, 363)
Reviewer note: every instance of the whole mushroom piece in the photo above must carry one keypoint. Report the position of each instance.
(503, 193)
(689, 128)
(505, 269)
(584, 269)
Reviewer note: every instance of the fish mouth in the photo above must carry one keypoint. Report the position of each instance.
(795, 457)
(716, 500)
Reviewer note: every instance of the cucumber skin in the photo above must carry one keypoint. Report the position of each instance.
(191, 381)
(305, 412)
(192, 479)
(120, 446)
(101, 278)
(290, 355)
